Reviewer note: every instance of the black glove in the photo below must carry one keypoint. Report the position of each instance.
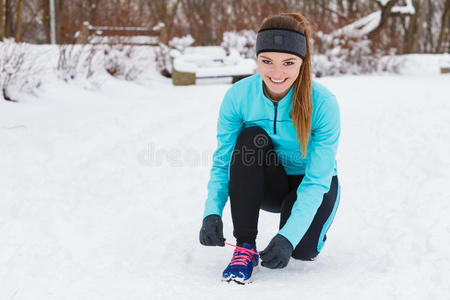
(211, 233)
(277, 253)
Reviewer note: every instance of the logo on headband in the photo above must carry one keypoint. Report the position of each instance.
(278, 40)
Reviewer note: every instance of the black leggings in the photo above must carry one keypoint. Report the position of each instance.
(259, 181)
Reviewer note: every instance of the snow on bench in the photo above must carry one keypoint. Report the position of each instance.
(210, 62)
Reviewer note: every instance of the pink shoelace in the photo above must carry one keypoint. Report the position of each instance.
(241, 255)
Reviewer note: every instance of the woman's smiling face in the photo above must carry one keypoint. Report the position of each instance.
(279, 71)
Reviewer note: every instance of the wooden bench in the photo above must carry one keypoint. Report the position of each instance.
(136, 36)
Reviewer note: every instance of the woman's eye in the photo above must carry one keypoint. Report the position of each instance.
(288, 63)
(266, 61)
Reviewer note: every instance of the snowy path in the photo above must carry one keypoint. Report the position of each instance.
(102, 193)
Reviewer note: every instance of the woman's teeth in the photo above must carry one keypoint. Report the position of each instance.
(277, 81)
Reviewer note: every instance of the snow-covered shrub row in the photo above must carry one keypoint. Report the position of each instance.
(243, 41)
(93, 61)
(19, 71)
(336, 55)
(332, 54)
(24, 67)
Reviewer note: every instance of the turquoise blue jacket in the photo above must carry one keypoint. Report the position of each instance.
(245, 105)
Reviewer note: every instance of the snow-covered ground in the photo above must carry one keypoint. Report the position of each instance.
(102, 194)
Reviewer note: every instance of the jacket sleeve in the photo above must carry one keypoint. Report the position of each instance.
(229, 125)
(320, 166)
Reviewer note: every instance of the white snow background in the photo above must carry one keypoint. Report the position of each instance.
(102, 194)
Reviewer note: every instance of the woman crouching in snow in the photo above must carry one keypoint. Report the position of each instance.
(277, 135)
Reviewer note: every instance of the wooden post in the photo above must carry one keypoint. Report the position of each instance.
(163, 35)
(1, 20)
(445, 31)
(182, 78)
(83, 34)
(7, 24)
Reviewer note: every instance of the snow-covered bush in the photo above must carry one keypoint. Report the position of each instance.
(390, 62)
(243, 41)
(19, 70)
(181, 43)
(444, 61)
(164, 54)
(163, 61)
(78, 61)
(93, 62)
(124, 61)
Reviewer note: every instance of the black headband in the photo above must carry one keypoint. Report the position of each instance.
(281, 40)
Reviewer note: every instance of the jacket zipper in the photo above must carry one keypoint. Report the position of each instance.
(275, 118)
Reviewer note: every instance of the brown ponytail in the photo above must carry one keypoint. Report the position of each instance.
(302, 99)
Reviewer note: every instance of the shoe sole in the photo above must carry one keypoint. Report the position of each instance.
(238, 280)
